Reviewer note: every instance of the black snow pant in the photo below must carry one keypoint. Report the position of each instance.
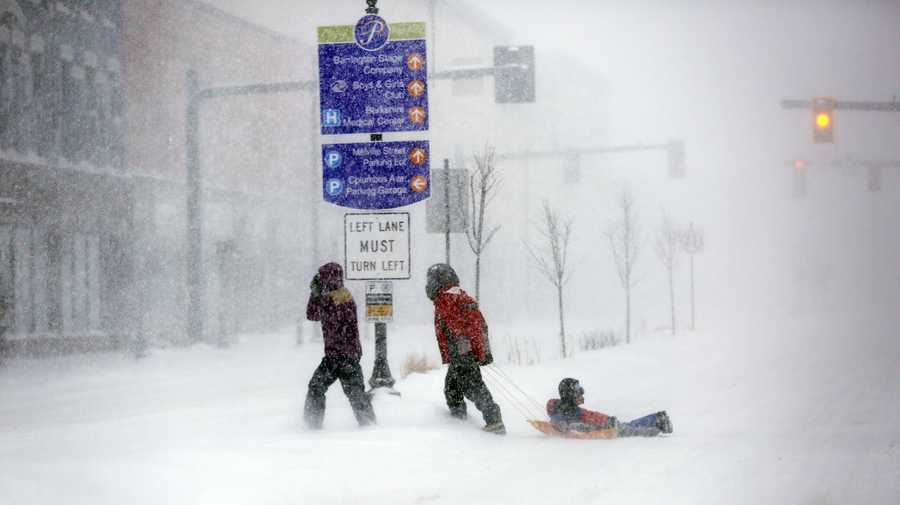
(350, 374)
(464, 381)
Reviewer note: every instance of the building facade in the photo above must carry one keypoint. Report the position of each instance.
(255, 163)
(65, 196)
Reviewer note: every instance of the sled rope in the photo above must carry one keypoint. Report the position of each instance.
(538, 407)
(514, 394)
(507, 395)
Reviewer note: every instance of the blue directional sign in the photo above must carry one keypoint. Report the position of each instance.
(372, 77)
(376, 175)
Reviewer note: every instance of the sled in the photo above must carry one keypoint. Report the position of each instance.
(547, 429)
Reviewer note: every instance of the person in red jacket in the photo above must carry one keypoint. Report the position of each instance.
(462, 340)
(332, 304)
(567, 415)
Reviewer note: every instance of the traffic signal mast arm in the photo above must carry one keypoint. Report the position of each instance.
(472, 73)
(583, 151)
(893, 106)
(257, 89)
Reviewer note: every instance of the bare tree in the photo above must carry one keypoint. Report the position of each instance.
(624, 243)
(550, 257)
(668, 245)
(692, 241)
(484, 182)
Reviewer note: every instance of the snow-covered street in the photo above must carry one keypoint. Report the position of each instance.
(757, 420)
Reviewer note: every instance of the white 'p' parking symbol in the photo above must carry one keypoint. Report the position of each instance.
(334, 187)
(333, 158)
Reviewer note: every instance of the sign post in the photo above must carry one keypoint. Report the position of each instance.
(373, 78)
(377, 249)
(380, 310)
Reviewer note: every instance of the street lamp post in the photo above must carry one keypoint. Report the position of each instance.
(196, 317)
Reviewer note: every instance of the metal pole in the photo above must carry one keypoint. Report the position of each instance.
(195, 273)
(381, 373)
(447, 209)
(692, 292)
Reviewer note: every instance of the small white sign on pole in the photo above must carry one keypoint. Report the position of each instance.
(376, 246)
(379, 301)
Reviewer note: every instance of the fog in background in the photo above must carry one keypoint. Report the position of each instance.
(713, 74)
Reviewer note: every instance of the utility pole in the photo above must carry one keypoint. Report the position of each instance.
(692, 244)
(196, 271)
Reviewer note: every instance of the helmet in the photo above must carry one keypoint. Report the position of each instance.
(440, 277)
(570, 389)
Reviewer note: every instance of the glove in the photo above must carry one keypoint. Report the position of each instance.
(488, 359)
(612, 422)
(315, 287)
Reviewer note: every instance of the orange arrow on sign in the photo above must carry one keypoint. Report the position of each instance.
(416, 115)
(417, 156)
(415, 88)
(418, 183)
(415, 61)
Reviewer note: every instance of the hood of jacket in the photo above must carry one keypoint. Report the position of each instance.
(561, 408)
(331, 275)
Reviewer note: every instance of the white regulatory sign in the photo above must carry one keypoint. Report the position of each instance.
(376, 246)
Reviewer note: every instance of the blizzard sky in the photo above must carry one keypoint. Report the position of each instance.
(714, 73)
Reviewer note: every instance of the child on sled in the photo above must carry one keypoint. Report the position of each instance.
(566, 416)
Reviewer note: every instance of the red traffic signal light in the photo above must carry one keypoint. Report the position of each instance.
(823, 120)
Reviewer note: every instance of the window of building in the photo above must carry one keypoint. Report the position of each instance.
(117, 113)
(42, 109)
(73, 77)
(7, 284)
(24, 267)
(4, 83)
(13, 80)
(104, 113)
(81, 284)
(18, 89)
(89, 115)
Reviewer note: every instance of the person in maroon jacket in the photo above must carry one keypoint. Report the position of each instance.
(332, 304)
(462, 339)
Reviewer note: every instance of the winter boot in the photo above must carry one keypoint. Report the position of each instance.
(459, 414)
(663, 422)
(496, 428)
(314, 412)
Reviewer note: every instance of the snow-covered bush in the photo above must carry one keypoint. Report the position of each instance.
(597, 339)
(416, 363)
(521, 351)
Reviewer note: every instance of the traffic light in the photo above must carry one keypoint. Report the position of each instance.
(675, 152)
(823, 120)
(799, 186)
(514, 74)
